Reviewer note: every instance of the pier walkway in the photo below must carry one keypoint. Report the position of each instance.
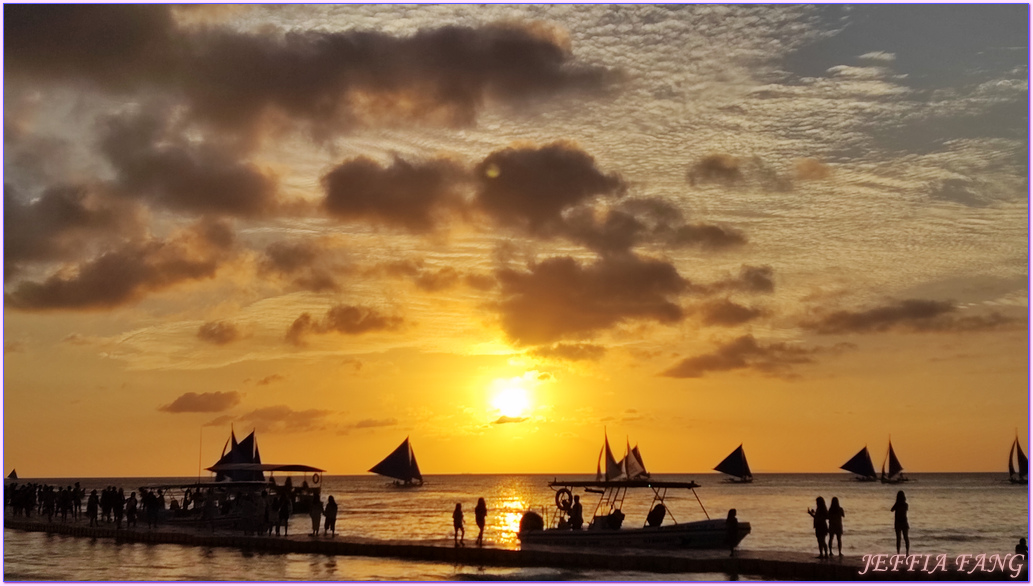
(747, 564)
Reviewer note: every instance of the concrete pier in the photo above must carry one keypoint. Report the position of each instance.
(760, 564)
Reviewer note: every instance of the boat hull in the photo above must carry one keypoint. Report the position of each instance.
(711, 534)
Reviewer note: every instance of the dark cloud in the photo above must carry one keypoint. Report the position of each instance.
(560, 298)
(117, 46)
(281, 418)
(305, 263)
(642, 220)
(219, 332)
(343, 319)
(415, 197)
(530, 187)
(272, 378)
(508, 419)
(429, 279)
(371, 423)
(152, 164)
(756, 280)
(234, 79)
(716, 168)
(743, 353)
(571, 352)
(728, 313)
(203, 402)
(126, 274)
(916, 315)
(57, 225)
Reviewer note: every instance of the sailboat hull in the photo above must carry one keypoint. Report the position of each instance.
(710, 534)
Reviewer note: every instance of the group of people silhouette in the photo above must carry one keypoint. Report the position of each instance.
(828, 524)
(480, 513)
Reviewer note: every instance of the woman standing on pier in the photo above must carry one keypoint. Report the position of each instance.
(821, 527)
(836, 515)
(900, 524)
(315, 512)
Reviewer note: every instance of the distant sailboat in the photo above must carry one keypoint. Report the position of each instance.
(896, 470)
(400, 465)
(629, 467)
(13, 475)
(861, 465)
(736, 465)
(1019, 475)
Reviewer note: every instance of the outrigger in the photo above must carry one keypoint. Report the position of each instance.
(604, 529)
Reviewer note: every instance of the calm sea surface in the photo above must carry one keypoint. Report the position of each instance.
(949, 513)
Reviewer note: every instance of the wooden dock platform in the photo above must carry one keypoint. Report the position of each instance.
(746, 564)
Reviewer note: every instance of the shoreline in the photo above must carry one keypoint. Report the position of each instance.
(764, 564)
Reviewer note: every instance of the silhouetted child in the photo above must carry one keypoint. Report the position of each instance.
(900, 524)
(480, 514)
(731, 532)
(836, 515)
(1022, 549)
(457, 525)
(821, 526)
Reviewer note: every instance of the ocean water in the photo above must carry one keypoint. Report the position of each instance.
(949, 513)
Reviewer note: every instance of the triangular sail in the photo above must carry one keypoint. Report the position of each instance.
(614, 469)
(1011, 454)
(244, 452)
(895, 467)
(599, 465)
(1023, 460)
(400, 464)
(13, 475)
(860, 464)
(735, 464)
(636, 468)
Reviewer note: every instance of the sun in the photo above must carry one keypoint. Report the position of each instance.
(510, 399)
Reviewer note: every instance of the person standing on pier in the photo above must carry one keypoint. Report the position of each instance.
(821, 525)
(900, 524)
(331, 516)
(91, 507)
(480, 514)
(131, 504)
(836, 515)
(457, 525)
(315, 511)
(731, 532)
(285, 512)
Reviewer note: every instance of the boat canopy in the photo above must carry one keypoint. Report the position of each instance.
(628, 483)
(861, 464)
(264, 468)
(735, 464)
(400, 464)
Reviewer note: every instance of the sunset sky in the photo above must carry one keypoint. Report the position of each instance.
(500, 230)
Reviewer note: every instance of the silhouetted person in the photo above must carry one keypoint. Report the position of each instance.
(731, 532)
(118, 503)
(457, 525)
(330, 512)
(480, 514)
(285, 512)
(91, 507)
(900, 525)
(315, 511)
(131, 504)
(836, 514)
(821, 525)
(577, 517)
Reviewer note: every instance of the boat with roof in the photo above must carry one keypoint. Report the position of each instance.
(605, 527)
